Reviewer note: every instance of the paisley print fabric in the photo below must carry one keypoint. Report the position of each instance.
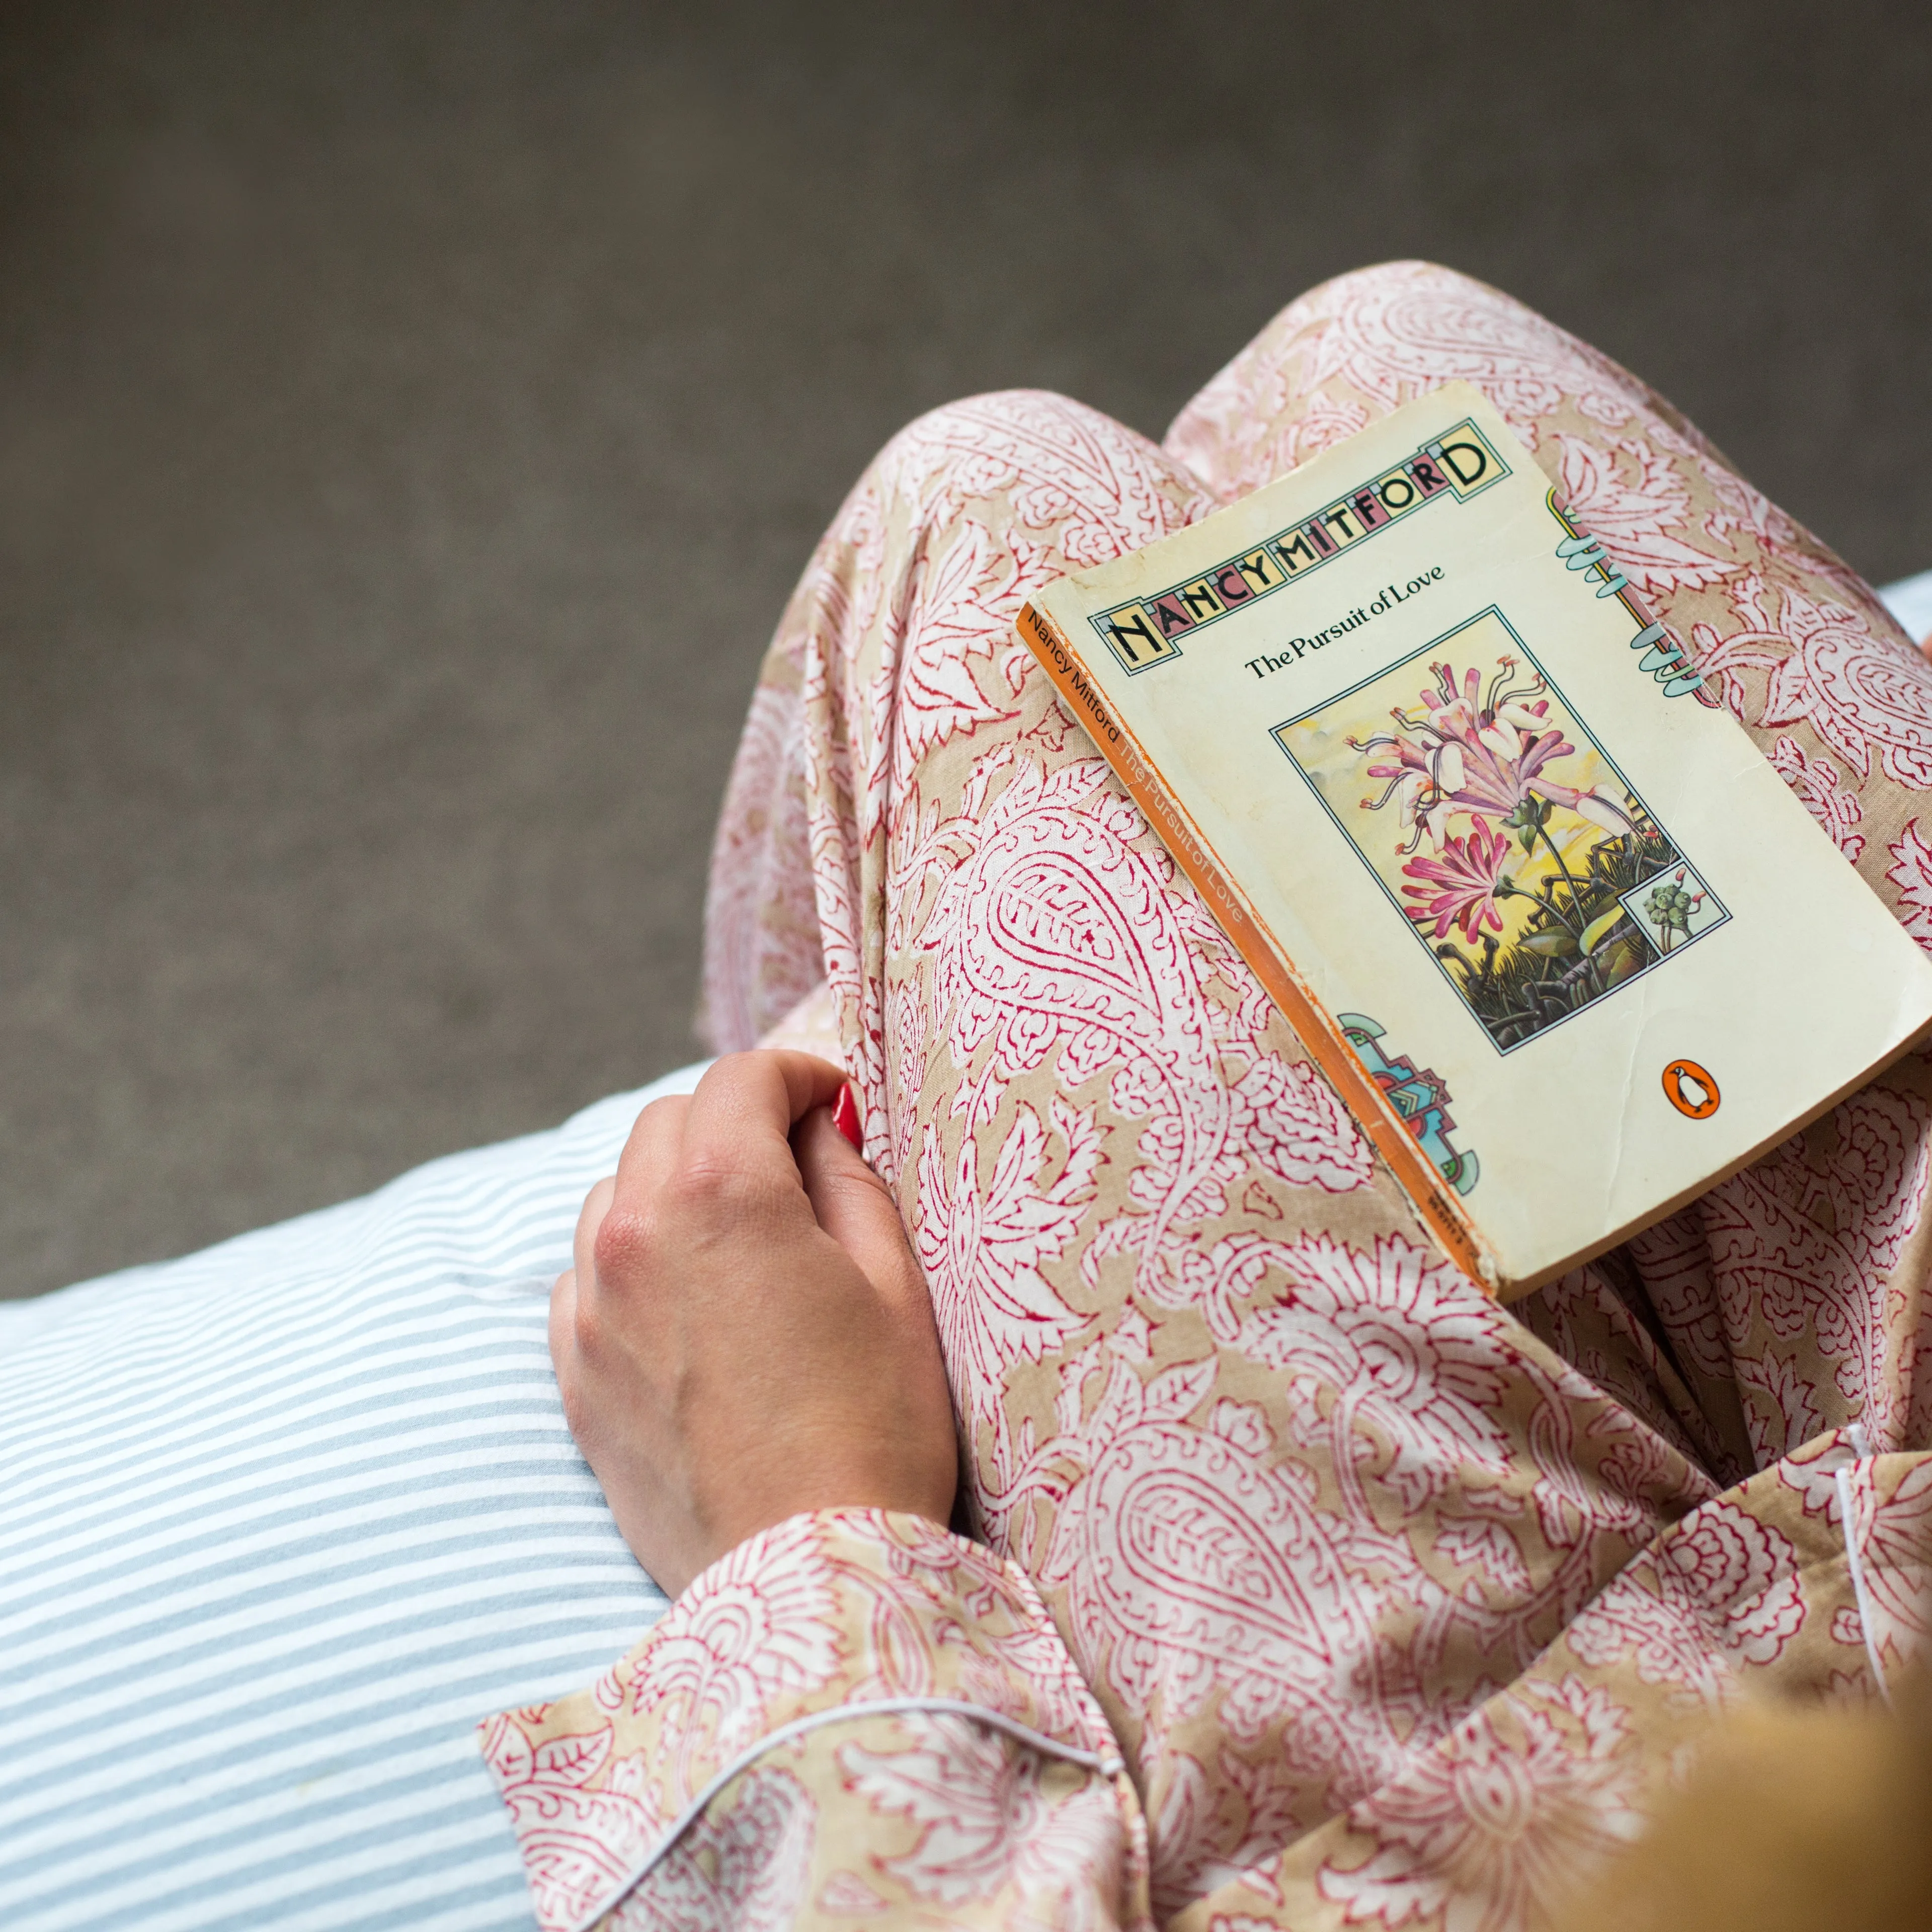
(960, 1667)
(1397, 1607)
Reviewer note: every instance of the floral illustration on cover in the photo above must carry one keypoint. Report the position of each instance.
(1500, 829)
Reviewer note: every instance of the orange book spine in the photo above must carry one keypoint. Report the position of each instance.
(1327, 1044)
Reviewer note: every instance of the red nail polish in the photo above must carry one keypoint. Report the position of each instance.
(845, 1118)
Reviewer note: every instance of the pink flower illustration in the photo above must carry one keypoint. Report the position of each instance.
(1461, 888)
(1478, 752)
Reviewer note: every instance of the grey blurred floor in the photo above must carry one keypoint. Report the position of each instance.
(412, 417)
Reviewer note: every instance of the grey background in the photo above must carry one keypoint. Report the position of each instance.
(412, 416)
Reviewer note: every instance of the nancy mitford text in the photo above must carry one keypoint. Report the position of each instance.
(1457, 465)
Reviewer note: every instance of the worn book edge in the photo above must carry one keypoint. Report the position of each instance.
(1316, 1027)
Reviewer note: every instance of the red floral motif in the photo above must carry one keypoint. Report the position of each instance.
(1804, 1241)
(743, 1867)
(1394, 333)
(1773, 1384)
(1409, 1359)
(1892, 1530)
(761, 943)
(1593, 1328)
(1815, 782)
(1740, 1569)
(1674, 1257)
(988, 1831)
(1911, 871)
(1859, 690)
(755, 1626)
(1863, 690)
(960, 606)
(1491, 1829)
(577, 1842)
(1017, 1666)
(982, 1246)
(1053, 932)
(1220, 1576)
(1200, 1848)
(1629, 495)
(1253, 391)
(1720, 1592)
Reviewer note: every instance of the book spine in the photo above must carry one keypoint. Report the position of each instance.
(1327, 1045)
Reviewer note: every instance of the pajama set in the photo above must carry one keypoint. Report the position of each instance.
(1306, 1585)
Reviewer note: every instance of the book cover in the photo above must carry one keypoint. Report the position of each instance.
(1568, 947)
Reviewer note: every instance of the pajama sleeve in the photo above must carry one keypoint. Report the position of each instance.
(854, 1718)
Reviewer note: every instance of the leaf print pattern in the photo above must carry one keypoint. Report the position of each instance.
(759, 911)
(1628, 494)
(990, 1830)
(1312, 1588)
(576, 1831)
(742, 1867)
(1801, 1248)
(1911, 871)
(1865, 698)
(1490, 1833)
(981, 1248)
(1816, 781)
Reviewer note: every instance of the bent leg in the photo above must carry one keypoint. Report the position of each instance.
(1792, 1297)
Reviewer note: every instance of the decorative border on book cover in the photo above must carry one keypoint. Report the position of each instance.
(1499, 828)
(1421, 1097)
(1460, 463)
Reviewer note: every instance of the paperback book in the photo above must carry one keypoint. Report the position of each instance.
(1567, 946)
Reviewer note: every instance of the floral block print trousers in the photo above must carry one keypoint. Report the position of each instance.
(1307, 1586)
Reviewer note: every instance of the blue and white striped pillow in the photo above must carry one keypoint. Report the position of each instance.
(279, 1523)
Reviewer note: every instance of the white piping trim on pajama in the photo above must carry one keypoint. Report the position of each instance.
(1842, 1477)
(1108, 1766)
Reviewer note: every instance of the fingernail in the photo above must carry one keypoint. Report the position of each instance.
(845, 1118)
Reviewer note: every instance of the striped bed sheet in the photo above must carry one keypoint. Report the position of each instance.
(279, 1523)
(1910, 601)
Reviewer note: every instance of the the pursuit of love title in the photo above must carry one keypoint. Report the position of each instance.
(1293, 648)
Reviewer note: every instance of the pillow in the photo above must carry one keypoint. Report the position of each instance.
(279, 1524)
(1910, 601)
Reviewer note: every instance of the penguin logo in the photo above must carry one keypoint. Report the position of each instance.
(1690, 1090)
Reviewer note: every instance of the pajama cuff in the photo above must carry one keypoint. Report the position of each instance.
(825, 1618)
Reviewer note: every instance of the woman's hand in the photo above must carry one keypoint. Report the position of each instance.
(745, 1335)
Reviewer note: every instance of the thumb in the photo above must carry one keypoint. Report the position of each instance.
(855, 1207)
